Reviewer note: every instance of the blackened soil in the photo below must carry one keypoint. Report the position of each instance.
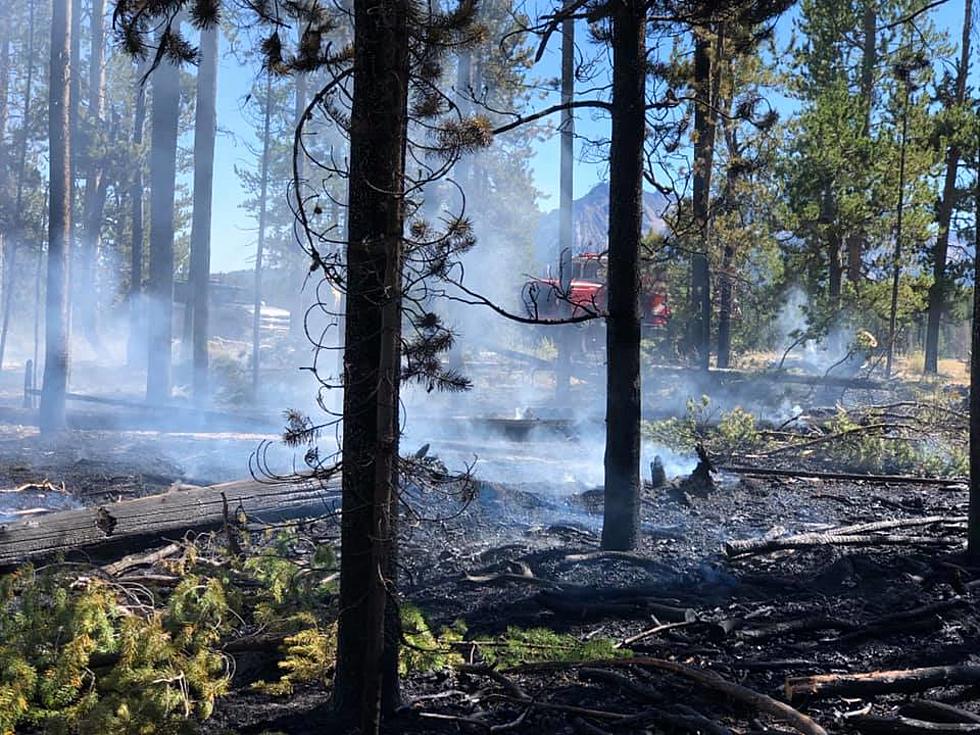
(521, 556)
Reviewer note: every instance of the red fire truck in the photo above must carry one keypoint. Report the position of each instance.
(587, 293)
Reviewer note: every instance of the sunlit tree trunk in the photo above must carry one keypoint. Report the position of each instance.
(367, 639)
(205, 129)
(260, 243)
(944, 212)
(160, 287)
(621, 513)
(897, 256)
(52, 413)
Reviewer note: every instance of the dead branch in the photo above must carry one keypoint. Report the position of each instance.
(832, 437)
(880, 682)
(651, 632)
(136, 560)
(761, 702)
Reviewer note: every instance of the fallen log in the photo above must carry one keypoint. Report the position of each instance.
(809, 540)
(901, 725)
(129, 524)
(848, 476)
(880, 682)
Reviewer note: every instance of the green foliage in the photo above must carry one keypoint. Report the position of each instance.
(73, 658)
(308, 656)
(735, 430)
(530, 645)
(881, 452)
(423, 650)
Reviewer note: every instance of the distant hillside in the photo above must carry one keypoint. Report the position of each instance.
(590, 223)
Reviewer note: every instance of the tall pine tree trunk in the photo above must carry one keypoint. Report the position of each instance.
(973, 533)
(52, 413)
(705, 122)
(160, 286)
(897, 256)
(944, 214)
(566, 236)
(205, 129)
(86, 299)
(18, 239)
(621, 513)
(297, 313)
(136, 346)
(260, 244)
(366, 655)
(856, 241)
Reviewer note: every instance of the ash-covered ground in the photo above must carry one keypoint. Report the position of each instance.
(525, 552)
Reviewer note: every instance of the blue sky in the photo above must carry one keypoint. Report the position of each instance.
(233, 231)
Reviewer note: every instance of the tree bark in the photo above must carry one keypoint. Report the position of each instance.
(565, 335)
(21, 171)
(135, 346)
(828, 217)
(297, 314)
(856, 241)
(366, 657)
(973, 528)
(94, 197)
(620, 525)
(944, 214)
(160, 288)
(260, 244)
(705, 122)
(205, 129)
(897, 263)
(52, 412)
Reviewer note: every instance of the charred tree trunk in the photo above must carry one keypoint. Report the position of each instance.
(566, 334)
(621, 511)
(52, 413)
(944, 214)
(94, 197)
(160, 287)
(18, 238)
(205, 129)
(260, 244)
(135, 347)
(973, 533)
(897, 264)
(366, 657)
(705, 121)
